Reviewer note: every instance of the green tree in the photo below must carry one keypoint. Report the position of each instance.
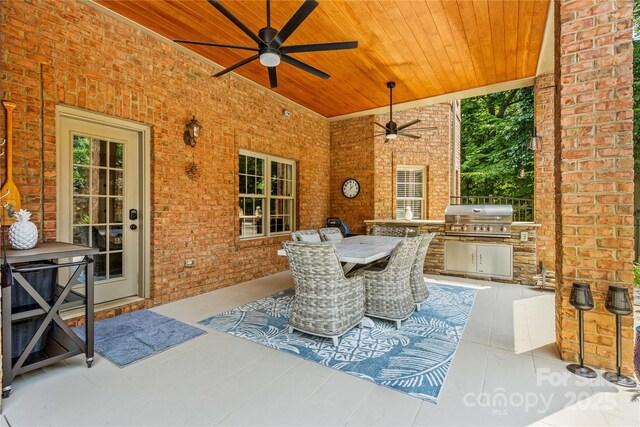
(496, 134)
(636, 86)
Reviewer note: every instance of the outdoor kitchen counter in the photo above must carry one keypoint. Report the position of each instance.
(420, 222)
(524, 252)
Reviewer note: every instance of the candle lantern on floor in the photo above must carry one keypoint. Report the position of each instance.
(581, 300)
(619, 304)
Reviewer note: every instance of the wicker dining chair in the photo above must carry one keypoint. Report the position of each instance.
(418, 285)
(326, 303)
(310, 236)
(395, 230)
(388, 230)
(330, 234)
(388, 291)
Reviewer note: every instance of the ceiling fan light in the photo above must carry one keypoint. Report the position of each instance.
(269, 59)
(392, 136)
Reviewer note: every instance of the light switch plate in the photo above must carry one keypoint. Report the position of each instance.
(524, 236)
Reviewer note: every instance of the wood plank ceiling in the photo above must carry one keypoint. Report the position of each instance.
(429, 47)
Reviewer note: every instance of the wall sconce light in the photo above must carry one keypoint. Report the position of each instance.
(190, 136)
(534, 138)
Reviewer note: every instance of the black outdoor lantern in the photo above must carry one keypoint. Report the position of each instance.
(619, 304)
(534, 139)
(581, 300)
(191, 134)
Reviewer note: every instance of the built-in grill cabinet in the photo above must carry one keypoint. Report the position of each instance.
(478, 220)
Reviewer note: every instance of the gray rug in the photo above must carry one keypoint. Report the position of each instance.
(134, 336)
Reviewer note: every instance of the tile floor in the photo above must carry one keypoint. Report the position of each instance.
(506, 372)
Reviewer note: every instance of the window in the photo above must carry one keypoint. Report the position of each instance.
(267, 195)
(410, 191)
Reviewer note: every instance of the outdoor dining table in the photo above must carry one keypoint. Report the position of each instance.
(362, 250)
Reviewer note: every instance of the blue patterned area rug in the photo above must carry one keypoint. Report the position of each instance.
(413, 360)
(134, 336)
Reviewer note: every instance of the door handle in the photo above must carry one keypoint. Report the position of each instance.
(133, 226)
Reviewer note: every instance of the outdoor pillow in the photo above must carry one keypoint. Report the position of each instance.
(311, 238)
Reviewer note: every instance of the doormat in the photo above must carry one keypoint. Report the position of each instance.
(414, 360)
(134, 336)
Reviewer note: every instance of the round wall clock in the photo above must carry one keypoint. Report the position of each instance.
(350, 188)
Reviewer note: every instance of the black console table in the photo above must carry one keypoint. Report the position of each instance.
(56, 339)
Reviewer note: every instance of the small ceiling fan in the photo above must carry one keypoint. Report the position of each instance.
(392, 130)
(270, 43)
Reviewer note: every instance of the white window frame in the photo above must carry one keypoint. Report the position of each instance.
(424, 190)
(267, 197)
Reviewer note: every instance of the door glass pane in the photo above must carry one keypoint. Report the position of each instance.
(99, 152)
(81, 153)
(99, 236)
(101, 184)
(99, 267)
(81, 180)
(116, 155)
(115, 265)
(80, 210)
(81, 236)
(98, 187)
(116, 183)
(99, 209)
(115, 209)
(115, 237)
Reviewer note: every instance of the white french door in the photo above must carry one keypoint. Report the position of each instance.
(99, 198)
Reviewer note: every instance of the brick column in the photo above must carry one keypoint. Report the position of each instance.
(594, 157)
(544, 177)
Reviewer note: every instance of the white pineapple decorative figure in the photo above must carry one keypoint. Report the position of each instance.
(23, 234)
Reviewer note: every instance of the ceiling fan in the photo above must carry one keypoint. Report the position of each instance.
(392, 130)
(270, 42)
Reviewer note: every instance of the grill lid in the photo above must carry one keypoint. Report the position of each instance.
(498, 213)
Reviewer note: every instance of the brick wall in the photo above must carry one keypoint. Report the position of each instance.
(352, 157)
(595, 157)
(373, 162)
(544, 176)
(82, 58)
(431, 151)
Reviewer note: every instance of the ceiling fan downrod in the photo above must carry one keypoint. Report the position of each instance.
(391, 85)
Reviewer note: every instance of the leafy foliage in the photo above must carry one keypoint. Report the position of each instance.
(496, 133)
(636, 85)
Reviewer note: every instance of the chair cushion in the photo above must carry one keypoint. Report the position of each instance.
(311, 238)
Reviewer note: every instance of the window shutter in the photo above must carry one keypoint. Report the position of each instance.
(409, 191)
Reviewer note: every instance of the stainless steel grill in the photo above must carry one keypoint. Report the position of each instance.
(478, 220)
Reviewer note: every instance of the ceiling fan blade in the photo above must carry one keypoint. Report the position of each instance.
(231, 46)
(301, 14)
(411, 123)
(236, 21)
(319, 47)
(422, 129)
(239, 64)
(409, 135)
(383, 127)
(273, 77)
(308, 68)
